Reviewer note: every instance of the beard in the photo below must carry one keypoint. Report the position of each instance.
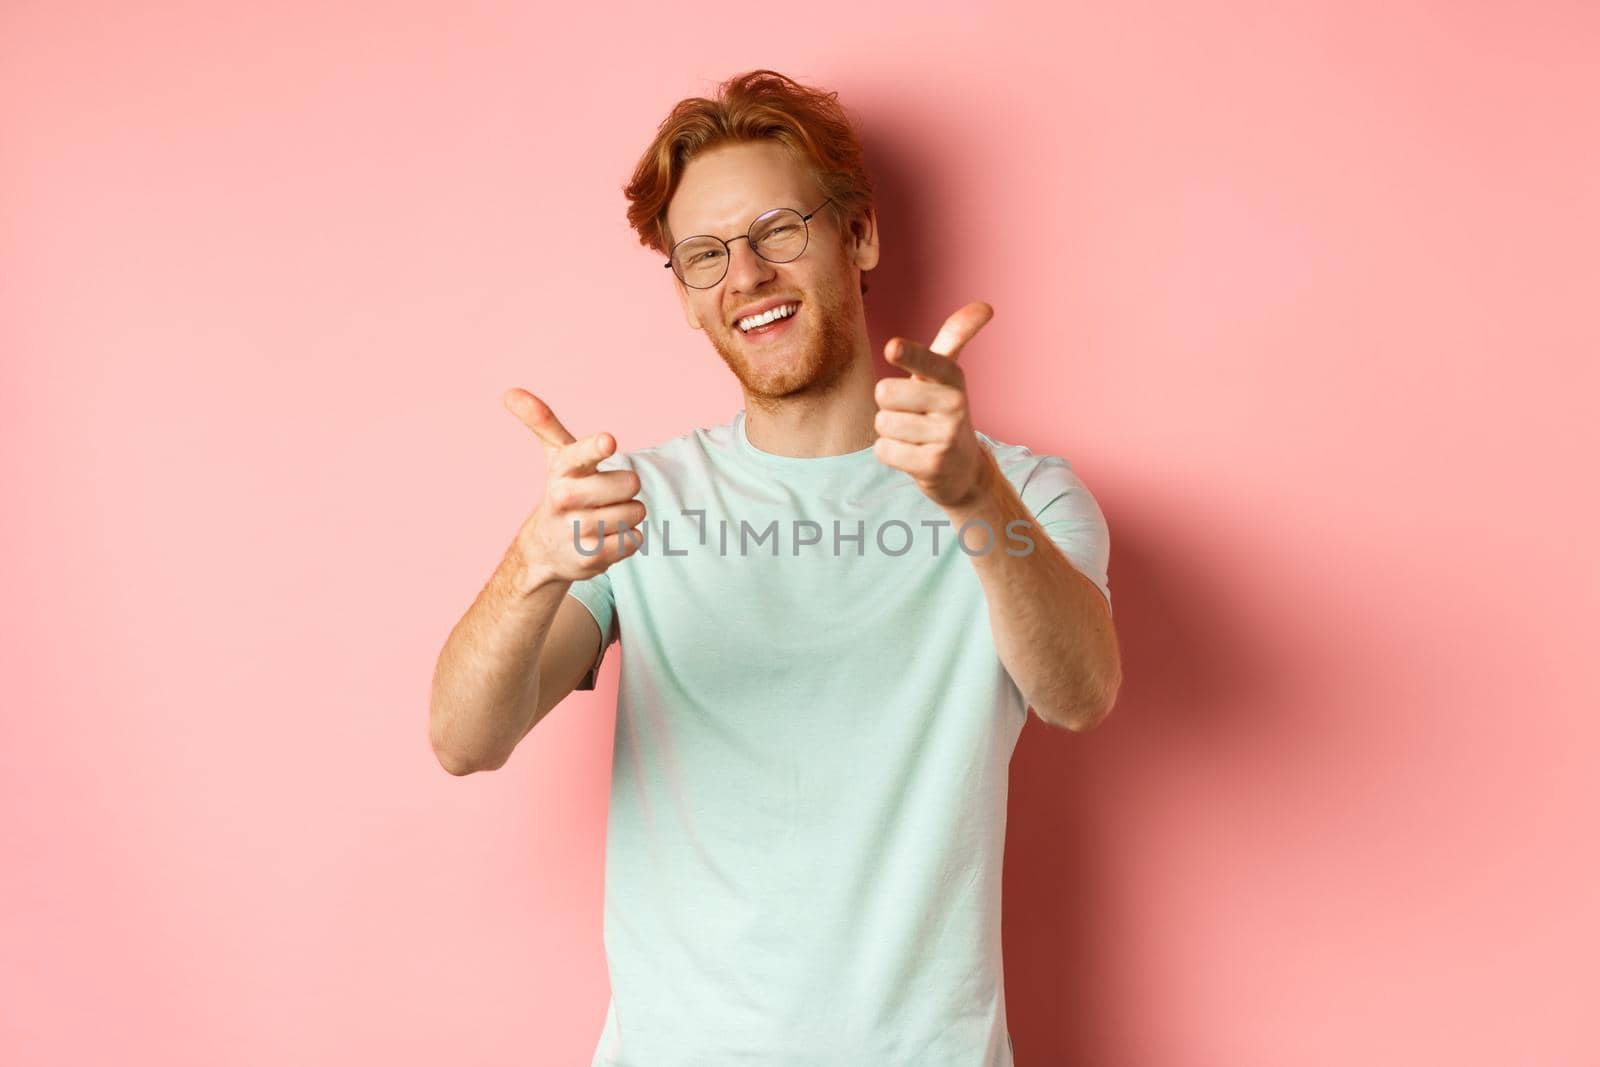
(812, 361)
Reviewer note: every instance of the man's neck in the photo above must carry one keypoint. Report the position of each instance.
(831, 423)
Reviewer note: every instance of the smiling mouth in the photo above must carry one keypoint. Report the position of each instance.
(769, 325)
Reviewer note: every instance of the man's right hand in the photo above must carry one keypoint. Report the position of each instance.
(574, 492)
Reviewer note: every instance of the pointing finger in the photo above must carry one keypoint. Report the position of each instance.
(537, 416)
(923, 362)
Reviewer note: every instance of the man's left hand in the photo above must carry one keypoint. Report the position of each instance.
(923, 422)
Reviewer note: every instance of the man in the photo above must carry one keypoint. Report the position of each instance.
(837, 608)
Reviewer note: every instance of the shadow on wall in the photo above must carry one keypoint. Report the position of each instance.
(1190, 669)
(896, 303)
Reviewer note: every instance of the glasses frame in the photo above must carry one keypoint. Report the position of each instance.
(746, 237)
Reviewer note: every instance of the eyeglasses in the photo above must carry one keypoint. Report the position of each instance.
(778, 236)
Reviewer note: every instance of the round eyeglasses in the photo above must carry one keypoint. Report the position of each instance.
(778, 236)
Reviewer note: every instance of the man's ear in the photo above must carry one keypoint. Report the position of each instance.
(688, 305)
(864, 239)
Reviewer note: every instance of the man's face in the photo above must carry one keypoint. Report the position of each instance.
(721, 193)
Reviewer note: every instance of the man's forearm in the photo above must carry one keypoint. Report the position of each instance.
(1050, 623)
(486, 684)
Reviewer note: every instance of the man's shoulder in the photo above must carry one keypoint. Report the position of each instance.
(674, 456)
(1021, 464)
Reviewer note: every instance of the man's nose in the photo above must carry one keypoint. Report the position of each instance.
(746, 269)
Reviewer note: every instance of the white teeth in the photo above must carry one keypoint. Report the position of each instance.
(782, 311)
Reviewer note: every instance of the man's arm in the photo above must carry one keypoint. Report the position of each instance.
(521, 648)
(1052, 627)
(513, 657)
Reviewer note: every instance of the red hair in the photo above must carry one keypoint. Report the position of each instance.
(754, 106)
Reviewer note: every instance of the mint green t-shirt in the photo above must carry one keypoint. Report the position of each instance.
(808, 792)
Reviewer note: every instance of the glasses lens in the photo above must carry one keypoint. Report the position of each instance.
(700, 262)
(780, 236)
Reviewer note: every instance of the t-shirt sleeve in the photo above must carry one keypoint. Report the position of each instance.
(1069, 515)
(596, 594)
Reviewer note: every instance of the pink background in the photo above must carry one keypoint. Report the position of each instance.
(1307, 297)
